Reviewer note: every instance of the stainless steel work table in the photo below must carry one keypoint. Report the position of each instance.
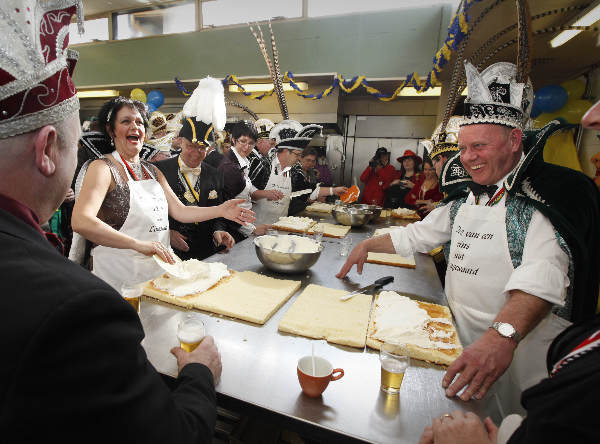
(259, 363)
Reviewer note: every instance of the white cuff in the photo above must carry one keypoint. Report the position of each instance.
(541, 279)
(401, 242)
(315, 194)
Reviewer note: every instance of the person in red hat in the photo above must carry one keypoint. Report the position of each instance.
(404, 180)
(377, 177)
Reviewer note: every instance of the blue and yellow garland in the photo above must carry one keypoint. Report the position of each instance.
(457, 31)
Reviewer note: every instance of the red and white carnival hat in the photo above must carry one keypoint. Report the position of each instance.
(36, 88)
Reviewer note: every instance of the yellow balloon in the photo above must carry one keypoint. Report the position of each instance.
(574, 88)
(574, 110)
(138, 94)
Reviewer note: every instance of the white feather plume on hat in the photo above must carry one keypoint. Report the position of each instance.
(207, 103)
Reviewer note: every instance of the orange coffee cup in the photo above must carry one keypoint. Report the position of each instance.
(314, 385)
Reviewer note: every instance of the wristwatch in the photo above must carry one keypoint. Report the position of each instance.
(506, 330)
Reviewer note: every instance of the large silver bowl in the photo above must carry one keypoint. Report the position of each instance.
(352, 216)
(285, 262)
(375, 209)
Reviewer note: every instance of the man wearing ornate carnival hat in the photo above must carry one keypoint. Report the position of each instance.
(196, 183)
(73, 364)
(518, 269)
(443, 144)
(291, 138)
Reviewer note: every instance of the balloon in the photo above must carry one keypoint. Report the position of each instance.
(550, 98)
(574, 88)
(535, 111)
(574, 110)
(151, 108)
(156, 98)
(138, 94)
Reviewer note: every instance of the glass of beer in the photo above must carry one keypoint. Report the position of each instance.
(190, 332)
(132, 294)
(395, 359)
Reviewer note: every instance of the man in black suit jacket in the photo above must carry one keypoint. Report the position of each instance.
(195, 183)
(73, 368)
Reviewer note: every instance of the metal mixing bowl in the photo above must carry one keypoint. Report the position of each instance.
(355, 217)
(375, 209)
(285, 262)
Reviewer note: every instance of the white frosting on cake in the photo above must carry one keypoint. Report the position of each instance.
(400, 319)
(380, 231)
(288, 244)
(295, 223)
(404, 212)
(200, 276)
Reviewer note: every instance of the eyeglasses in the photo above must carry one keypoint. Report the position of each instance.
(246, 142)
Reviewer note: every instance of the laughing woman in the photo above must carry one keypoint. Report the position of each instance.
(124, 203)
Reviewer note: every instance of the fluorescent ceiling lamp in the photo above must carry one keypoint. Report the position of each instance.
(97, 93)
(260, 87)
(409, 91)
(590, 16)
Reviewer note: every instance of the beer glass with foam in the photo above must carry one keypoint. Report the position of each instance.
(190, 332)
(395, 359)
(132, 294)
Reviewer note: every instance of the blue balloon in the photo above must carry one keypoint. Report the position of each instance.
(157, 98)
(151, 108)
(550, 98)
(535, 111)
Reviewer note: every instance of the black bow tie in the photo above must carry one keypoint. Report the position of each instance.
(478, 190)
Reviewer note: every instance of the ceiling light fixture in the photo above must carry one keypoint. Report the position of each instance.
(587, 18)
(97, 93)
(263, 87)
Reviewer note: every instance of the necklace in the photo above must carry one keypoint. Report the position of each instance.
(141, 172)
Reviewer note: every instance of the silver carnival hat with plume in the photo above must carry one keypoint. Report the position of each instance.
(495, 96)
(443, 141)
(291, 135)
(263, 128)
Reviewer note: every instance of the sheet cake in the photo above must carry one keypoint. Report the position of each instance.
(405, 213)
(330, 230)
(426, 328)
(294, 224)
(395, 260)
(320, 207)
(318, 313)
(243, 295)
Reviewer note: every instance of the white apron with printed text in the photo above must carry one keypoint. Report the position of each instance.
(147, 220)
(269, 211)
(479, 266)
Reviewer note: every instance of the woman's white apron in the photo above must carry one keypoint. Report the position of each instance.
(147, 220)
